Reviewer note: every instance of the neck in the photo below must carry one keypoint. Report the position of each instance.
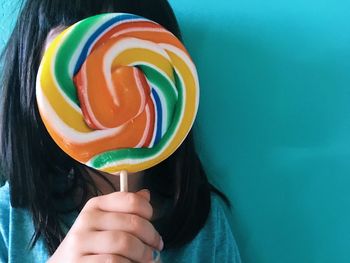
(135, 181)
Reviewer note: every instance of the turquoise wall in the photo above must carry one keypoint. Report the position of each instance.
(274, 120)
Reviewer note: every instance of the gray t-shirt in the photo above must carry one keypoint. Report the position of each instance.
(214, 243)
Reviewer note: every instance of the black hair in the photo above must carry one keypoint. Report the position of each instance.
(35, 166)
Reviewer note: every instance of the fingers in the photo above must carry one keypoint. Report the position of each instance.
(112, 228)
(104, 258)
(133, 224)
(117, 243)
(122, 202)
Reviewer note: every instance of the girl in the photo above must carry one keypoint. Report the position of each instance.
(54, 208)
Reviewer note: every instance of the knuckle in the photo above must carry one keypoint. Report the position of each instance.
(111, 259)
(135, 223)
(150, 211)
(85, 219)
(118, 241)
(132, 201)
(84, 215)
(156, 239)
(92, 202)
(118, 259)
(123, 241)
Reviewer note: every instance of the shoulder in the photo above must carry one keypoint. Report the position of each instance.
(4, 206)
(218, 234)
(4, 200)
(215, 242)
(4, 194)
(219, 230)
(218, 206)
(4, 220)
(217, 217)
(16, 230)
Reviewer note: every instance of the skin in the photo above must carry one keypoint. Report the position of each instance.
(113, 227)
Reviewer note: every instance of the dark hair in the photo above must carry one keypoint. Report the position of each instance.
(34, 165)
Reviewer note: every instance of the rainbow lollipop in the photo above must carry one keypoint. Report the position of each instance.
(117, 92)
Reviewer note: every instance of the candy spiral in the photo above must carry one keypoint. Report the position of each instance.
(117, 92)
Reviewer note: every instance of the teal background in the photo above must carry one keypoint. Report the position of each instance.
(274, 120)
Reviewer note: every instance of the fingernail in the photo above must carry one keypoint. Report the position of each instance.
(156, 255)
(145, 191)
(161, 244)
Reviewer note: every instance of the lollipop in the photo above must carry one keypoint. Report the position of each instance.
(117, 92)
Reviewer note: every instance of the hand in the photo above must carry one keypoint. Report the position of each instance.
(112, 228)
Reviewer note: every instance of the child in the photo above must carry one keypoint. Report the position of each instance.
(54, 208)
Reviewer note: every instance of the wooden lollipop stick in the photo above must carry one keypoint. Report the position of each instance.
(123, 181)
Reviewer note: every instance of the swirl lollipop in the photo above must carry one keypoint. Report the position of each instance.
(117, 92)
